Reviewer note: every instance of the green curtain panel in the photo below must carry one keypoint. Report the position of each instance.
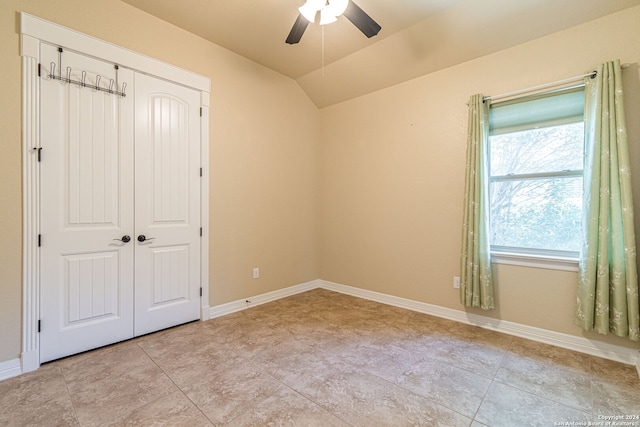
(608, 277)
(476, 287)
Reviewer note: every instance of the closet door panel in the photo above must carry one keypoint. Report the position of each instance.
(167, 204)
(86, 171)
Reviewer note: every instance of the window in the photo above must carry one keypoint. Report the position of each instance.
(536, 151)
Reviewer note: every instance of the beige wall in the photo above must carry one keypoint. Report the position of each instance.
(263, 143)
(392, 172)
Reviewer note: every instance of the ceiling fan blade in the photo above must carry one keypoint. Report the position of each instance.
(298, 30)
(360, 19)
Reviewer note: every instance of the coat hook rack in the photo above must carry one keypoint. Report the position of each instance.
(113, 83)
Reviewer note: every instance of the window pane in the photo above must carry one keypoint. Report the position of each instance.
(537, 213)
(549, 149)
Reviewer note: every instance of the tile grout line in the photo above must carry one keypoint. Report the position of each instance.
(174, 383)
(505, 356)
(327, 410)
(399, 385)
(66, 387)
(409, 390)
(534, 393)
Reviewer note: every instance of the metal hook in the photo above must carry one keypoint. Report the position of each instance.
(82, 82)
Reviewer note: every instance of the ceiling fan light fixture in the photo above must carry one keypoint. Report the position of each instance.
(326, 17)
(310, 9)
(337, 7)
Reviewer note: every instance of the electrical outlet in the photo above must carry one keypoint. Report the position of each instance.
(256, 273)
(456, 282)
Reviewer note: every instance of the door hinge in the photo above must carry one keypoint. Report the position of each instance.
(200, 291)
(39, 325)
(39, 153)
(200, 231)
(39, 240)
(39, 69)
(200, 111)
(200, 171)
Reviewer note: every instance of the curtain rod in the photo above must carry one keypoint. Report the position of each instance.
(539, 87)
(545, 86)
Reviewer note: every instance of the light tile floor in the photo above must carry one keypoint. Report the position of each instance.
(323, 359)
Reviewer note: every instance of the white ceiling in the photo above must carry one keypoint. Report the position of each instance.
(417, 36)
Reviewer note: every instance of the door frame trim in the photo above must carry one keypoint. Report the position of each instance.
(33, 32)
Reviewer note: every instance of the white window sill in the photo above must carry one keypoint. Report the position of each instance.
(535, 261)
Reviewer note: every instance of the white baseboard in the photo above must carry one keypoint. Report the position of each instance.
(205, 313)
(625, 355)
(242, 304)
(10, 369)
(30, 361)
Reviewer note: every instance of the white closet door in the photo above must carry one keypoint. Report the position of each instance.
(86, 204)
(167, 204)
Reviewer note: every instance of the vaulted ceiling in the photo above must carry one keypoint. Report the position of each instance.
(417, 36)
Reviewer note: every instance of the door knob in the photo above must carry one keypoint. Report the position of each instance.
(124, 239)
(143, 238)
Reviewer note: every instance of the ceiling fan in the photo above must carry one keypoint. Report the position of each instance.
(329, 11)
